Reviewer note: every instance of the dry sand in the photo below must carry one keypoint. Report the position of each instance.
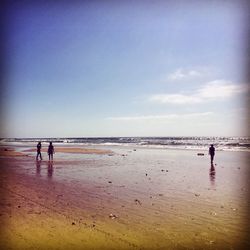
(9, 152)
(75, 150)
(144, 199)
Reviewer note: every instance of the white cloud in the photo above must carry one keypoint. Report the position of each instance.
(215, 90)
(181, 74)
(170, 117)
(175, 98)
(220, 89)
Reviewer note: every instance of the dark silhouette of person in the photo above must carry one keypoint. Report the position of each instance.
(39, 147)
(51, 151)
(212, 152)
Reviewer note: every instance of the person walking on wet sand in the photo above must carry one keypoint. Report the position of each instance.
(39, 146)
(212, 152)
(51, 151)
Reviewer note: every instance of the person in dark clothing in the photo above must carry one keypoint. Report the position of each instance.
(51, 151)
(212, 152)
(39, 146)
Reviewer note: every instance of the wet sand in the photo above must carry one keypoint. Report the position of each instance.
(130, 199)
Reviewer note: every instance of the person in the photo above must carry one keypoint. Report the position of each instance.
(51, 151)
(39, 146)
(212, 152)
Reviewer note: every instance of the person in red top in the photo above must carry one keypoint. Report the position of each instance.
(51, 151)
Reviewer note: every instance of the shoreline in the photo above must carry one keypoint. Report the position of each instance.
(199, 143)
(105, 147)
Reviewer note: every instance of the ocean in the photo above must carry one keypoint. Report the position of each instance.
(190, 142)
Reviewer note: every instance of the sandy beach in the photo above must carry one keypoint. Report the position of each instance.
(123, 198)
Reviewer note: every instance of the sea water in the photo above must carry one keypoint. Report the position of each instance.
(190, 142)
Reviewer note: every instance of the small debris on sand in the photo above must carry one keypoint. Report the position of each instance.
(73, 223)
(213, 213)
(110, 181)
(137, 201)
(197, 195)
(200, 154)
(164, 170)
(113, 216)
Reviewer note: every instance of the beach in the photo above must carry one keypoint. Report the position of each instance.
(113, 197)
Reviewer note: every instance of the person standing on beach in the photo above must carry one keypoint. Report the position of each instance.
(212, 152)
(39, 146)
(51, 151)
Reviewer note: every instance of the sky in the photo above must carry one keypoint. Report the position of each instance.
(124, 68)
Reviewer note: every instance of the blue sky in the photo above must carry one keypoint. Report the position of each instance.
(145, 68)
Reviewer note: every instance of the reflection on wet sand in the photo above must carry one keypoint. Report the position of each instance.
(212, 174)
(50, 169)
(38, 168)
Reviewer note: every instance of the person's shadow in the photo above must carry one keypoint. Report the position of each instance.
(50, 169)
(212, 174)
